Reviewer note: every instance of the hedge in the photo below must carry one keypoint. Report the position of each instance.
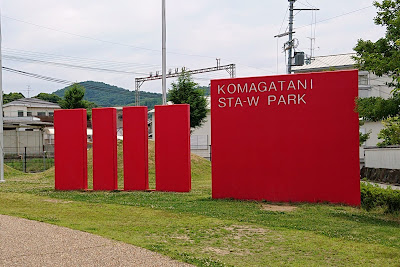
(373, 196)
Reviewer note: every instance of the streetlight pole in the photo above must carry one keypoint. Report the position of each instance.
(164, 55)
(1, 115)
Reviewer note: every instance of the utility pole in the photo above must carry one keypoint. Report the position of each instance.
(164, 55)
(290, 43)
(1, 115)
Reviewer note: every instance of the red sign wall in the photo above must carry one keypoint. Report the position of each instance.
(70, 149)
(286, 138)
(172, 131)
(136, 162)
(105, 162)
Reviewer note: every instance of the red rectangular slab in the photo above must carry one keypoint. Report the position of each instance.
(286, 138)
(172, 132)
(104, 123)
(136, 165)
(70, 149)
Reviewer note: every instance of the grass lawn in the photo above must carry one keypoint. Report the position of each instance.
(196, 229)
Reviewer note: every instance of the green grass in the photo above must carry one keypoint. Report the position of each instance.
(32, 164)
(197, 229)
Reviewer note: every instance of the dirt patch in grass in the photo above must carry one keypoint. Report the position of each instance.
(240, 231)
(278, 208)
(227, 251)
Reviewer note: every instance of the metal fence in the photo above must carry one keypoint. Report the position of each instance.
(30, 159)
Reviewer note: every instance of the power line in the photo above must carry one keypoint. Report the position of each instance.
(101, 40)
(123, 91)
(126, 45)
(21, 59)
(73, 58)
(345, 14)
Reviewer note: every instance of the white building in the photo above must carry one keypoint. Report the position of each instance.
(29, 107)
(23, 130)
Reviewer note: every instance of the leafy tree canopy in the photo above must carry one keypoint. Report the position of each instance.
(383, 56)
(7, 98)
(377, 108)
(185, 91)
(73, 98)
(391, 132)
(48, 97)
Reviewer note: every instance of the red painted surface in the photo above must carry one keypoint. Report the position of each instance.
(70, 149)
(104, 123)
(172, 132)
(136, 175)
(277, 141)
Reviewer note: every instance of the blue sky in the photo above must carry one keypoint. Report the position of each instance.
(126, 36)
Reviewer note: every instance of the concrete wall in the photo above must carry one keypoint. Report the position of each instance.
(383, 158)
(15, 141)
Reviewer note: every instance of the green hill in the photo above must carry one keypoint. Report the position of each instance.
(106, 95)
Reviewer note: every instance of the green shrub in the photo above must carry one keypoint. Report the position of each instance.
(373, 196)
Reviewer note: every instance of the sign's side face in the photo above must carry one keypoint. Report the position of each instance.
(286, 138)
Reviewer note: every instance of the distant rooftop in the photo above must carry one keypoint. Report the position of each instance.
(341, 61)
(32, 102)
(28, 122)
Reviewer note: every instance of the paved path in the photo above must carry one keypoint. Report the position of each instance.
(30, 243)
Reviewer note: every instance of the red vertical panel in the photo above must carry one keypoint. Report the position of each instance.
(104, 149)
(172, 131)
(70, 149)
(286, 138)
(136, 164)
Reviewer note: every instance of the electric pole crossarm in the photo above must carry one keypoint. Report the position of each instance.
(172, 75)
(231, 69)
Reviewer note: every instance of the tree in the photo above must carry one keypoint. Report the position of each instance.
(391, 132)
(185, 91)
(73, 97)
(383, 56)
(377, 108)
(7, 98)
(363, 137)
(48, 97)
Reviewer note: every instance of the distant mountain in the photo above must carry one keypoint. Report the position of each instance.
(106, 95)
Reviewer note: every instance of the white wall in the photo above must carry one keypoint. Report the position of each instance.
(386, 158)
(374, 128)
(12, 111)
(200, 139)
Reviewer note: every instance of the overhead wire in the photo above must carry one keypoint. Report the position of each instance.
(121, 44)
(47, 56)
(338, 16)
(101, 40)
